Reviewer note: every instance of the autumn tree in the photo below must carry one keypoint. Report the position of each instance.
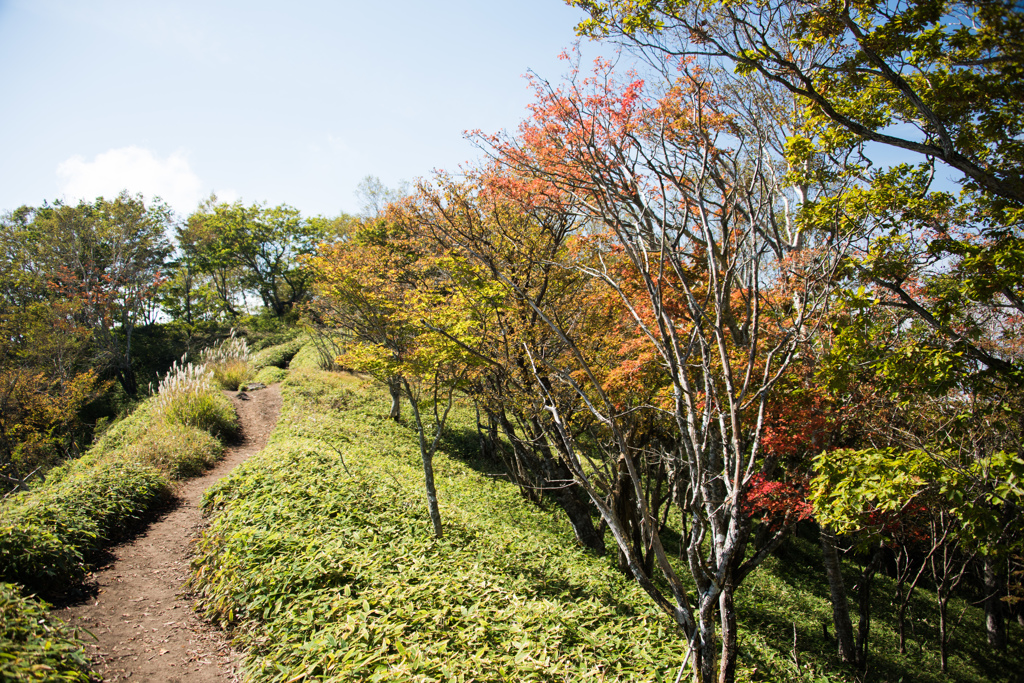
(496, 230)
(45, 382)
(938, 273)
(77, 280)
(937, 81)
(103, 261)
(385, 289)
(683, 233)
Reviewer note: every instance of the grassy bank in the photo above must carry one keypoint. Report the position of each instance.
(34, 646)
(50, 534)
(320, 561)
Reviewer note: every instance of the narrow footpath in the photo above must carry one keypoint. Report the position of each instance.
(146, 629)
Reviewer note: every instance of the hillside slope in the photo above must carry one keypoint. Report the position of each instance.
(320, 561)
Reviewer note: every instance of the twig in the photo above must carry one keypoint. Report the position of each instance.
(341, 456)
(796, 655)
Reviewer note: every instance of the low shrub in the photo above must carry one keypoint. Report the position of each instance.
(330, 345)
(310, 358)
(270, 375)
(34, 646)
(48, 535)
(278, 356)
(231, 374)
(126, 431)
(229, 362)
(259, 339)
(149, 436)
(186, 397)
(179, 451)
(211, 412)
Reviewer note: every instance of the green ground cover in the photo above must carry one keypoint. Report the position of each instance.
(33, 645)
(50, 534)
(320, 562)
(270, 375)
(279, 355)
(309, 357)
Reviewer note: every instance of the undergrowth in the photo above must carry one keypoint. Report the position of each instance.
(278, 356)
(50, 534)
(309, 357)
(187, 396)
(270, 375)
(229, 362)
(179, 451)
(320, 560)
(33, 645)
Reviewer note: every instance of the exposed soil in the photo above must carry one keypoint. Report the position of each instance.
(146, 629)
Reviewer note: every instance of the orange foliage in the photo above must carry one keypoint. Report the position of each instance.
(39, 417)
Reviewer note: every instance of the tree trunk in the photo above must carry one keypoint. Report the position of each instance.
(904, 593)
(487, 435)
(567, 495)
(625, 504)
(706, 640)
(395, 390)
(727, 664)
(428, 478)
(864, 604)
(995, 623)
(126, 377)
(577, 509)
(427, 455)
(522, 467)
(837, 591)
(622, 505)
(943, 600)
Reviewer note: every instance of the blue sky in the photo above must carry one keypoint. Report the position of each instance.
(260, 101)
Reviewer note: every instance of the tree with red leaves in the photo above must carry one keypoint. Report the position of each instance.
(680, 206)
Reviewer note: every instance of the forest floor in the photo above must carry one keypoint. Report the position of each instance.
(144, 624)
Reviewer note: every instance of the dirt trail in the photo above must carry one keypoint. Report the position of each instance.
(146, 630)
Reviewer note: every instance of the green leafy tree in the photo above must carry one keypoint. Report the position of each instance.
(952, 505)
(253, 249)
(188, 295)
(939, 81)
(103, 262)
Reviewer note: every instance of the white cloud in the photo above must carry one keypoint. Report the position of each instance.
(133, 169)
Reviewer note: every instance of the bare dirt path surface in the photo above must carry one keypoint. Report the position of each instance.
(146, 629)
